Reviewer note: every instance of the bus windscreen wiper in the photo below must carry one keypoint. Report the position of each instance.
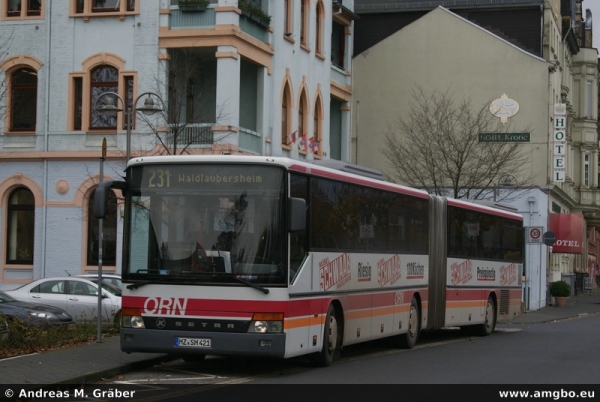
(252, 285)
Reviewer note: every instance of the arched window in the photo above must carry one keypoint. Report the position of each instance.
(304, 11)
(21, 227)
(288, 17)
(286, 116)
(104, 79)
(320, 21)
(303, 120)
(23, 99)
(109, 233)
(317, 143)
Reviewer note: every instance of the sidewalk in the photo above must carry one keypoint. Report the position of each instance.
(93, 361)
(80, 364)
(582, 304)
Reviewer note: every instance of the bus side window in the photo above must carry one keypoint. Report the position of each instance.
(298, 251)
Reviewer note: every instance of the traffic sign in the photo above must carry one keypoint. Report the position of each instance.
(549, 238)
(534, 234)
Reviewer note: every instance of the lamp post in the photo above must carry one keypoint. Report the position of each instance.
(110, 109)
(508, 178)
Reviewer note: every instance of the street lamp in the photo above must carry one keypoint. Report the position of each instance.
(505, 179)
(110, 109)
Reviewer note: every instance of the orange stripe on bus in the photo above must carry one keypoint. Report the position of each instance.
(462, 304)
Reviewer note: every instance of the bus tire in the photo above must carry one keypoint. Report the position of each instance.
(332, 339)
(409, 339)
(193, 358)
(489, 323)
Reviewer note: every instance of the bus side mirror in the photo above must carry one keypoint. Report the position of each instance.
(101, 195)
(297, 214)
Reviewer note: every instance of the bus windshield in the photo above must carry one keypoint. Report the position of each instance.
(206, 224)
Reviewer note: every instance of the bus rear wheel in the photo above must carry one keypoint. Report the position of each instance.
(332, 340)
(489, 324)
(409, 339)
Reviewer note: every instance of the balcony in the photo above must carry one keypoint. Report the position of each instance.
(207, 19)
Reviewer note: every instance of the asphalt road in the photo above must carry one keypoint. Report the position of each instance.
(514, 354)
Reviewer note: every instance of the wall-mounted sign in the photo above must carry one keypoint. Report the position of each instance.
(504, 137)
(504, 108)
(569, 230)
(560, 137)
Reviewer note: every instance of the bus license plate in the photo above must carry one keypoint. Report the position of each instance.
(192, 342)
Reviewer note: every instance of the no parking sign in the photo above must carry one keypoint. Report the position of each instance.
(534, 234)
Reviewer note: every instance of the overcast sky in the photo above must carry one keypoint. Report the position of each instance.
(594, 6)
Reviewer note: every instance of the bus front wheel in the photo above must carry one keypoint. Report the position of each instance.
(332, 340)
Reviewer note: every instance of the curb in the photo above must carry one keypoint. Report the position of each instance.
(95, 376)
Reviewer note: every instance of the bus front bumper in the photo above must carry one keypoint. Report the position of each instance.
(221, 343)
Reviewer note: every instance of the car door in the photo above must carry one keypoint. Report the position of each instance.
(82, 300)
(51, 292)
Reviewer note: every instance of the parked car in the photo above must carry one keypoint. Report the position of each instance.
(33, 314)
(78, 296)
(113, 279)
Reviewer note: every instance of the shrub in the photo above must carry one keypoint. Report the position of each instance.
(24, 339)
(560, 289)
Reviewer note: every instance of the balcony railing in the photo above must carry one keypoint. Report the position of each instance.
(250, 141)
(182, 20)
(338, 75)
(207, 20)
(196, 134)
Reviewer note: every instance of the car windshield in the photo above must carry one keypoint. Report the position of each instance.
(111, 288)
(225, 219)
(5, 298)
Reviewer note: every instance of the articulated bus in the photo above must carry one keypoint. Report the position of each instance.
(274, 257)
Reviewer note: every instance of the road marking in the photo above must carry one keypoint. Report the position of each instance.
(16, 357)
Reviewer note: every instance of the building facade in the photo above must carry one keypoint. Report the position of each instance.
(533, 52)
(256, 77)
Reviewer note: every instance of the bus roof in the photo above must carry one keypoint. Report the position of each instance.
(363, 176)
(474, 206)
(336, 171)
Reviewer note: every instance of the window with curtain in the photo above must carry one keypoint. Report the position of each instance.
(23, 86)
(20, 227)
(104, 79)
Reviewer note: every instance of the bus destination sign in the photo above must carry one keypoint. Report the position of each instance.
(203, 176)
(504, 137)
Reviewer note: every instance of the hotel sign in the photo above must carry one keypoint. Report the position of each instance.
(559, 163)
(504, 137)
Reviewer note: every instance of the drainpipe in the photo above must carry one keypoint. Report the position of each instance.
(48, 20)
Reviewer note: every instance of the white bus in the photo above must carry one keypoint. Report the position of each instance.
(264, 256)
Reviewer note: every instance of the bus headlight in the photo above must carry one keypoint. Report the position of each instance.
(264, 323)
(132, 318)
(137, 322)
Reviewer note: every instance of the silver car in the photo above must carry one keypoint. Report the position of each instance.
(78, 296)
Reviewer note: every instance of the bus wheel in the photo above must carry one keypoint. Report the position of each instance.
(193, 358)
(489, 324)
(409, 339)
(331, 340)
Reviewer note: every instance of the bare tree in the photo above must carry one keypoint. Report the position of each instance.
(188, 85)
(435, 147)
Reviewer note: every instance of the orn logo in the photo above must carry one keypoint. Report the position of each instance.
(165, 305)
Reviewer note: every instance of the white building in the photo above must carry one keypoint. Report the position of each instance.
(268, 77)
